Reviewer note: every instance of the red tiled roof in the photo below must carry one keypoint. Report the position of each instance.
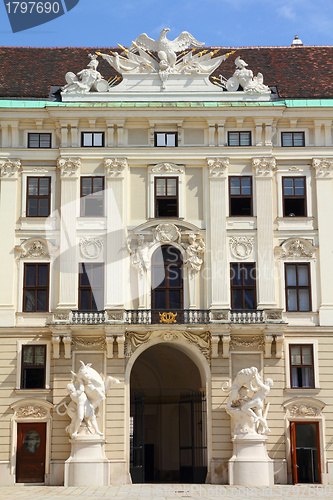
(297, 72)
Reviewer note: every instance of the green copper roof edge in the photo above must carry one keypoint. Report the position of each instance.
(289, 103)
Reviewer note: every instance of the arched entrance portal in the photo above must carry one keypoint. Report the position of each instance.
(168, 418)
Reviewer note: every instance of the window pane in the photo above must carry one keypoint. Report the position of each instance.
(86, 186)
(246, 186)
(42, 277)
(288, 186)
(172, 187)
(307, 377)
(28, 355)
(85, 296)
(291, 275)
(39, 354)
(174, 299)
(236, 275)
(174, 276)
(249, 299)
(85, 281)
(98, 139)
(93, 206)
(98, 275)
(158, 277)
(295, 352)
(237, 299)
(307, 355)
(171, 140)
(30, 275)
(45, 140)
(292, 300)
(33, 378)
(29, 300)
(33, 140)
(233, 139)
(299, 187)
(97, 184)
(42, 300)
(43, 209)
(287, 139)
(304, 300)
(303, 275)
(298, 139)
(159, 299)
(33, 186)
(32, 207)
(98, 299)
(245, 139)
(234, 185)
(170, 254)
(44, 186)
(160, 187)
(248, 273)
(160, 139)
(87, 139)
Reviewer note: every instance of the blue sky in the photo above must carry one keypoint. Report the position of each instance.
(103, 23)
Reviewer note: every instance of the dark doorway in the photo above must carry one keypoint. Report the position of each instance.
(305, 454)
(168, 419)
(30, 457)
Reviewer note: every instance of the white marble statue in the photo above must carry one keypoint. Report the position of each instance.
(164, 56)
(87, 390)
(86, 80)
(139, 253)
(244, 77)
(245, 403)
(194, 252)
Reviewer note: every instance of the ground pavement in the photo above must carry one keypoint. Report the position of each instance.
(166, 492)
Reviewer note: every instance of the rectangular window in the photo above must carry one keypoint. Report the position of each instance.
(92, 196)
(38, 196)
(298, 289)
(33, 366)
(166, 139)
(292, 139)
(37, 140)
(91, 287)
(92, 139)
(239, 138)
(36, 287)
(294, 196)
(166, 196)
(243, 286)
(301, 366)
(240, 195)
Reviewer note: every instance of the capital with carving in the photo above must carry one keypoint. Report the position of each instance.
(323, 167)
(69, 167)
(9, 169)
(264, 167)
(217, 166)
(114, 167)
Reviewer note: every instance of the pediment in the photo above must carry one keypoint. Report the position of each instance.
(295, 249)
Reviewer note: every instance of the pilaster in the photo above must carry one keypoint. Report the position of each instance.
(219, 272)
(263, 169)
(324, 194)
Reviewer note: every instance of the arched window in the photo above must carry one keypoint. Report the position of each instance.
(167, 278)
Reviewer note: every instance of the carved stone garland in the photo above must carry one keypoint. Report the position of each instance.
(296, 248)
(31, 411)
(241, 247)
(91, 247)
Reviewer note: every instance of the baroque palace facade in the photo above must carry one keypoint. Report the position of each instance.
(166, 218)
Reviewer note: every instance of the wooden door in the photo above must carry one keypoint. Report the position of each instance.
(305, 452)
(30, 456)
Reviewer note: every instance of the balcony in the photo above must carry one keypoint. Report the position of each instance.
(162, 317)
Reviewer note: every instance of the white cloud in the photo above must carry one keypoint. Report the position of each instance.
(287, 12)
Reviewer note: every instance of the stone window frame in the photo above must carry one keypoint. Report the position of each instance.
(93, 135)
(244, 287)
(301, 365)
(239, 132)
(36, 287)
(292, 132)
(297, 341)
(295, 171)
(166, 133)
(298, 287)
(45, 132)
(47, 381)
(167, 169)
(240, 196)
(102, 196)
(294, 196)
(38, 172)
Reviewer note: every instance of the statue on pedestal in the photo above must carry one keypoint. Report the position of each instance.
(245, 403)
(87, 390)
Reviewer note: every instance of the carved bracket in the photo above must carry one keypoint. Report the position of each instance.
(115, 167)
(323, 167)
(264, 167)
(69, 167)
(217, 166)
(9, 169)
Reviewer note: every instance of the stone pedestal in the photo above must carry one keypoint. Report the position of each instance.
(87, 465)
(250, 464)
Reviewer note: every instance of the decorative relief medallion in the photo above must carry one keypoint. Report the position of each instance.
(167, 233)
(217, 166)
(241, 247)
(114, 167)
(303, 410)
(31, 411)
(89, 342)
(296, 249)
(69, 167)
(9, 169)
(264, 166)
(91, 248)
(200, 340)
(35, 249)
(323, 166)
(172, 168)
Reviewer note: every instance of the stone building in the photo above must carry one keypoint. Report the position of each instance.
(168, 222)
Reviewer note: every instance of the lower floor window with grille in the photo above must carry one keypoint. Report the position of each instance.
(91, 287)
(301, 365)
(243, 286)
(33, 366)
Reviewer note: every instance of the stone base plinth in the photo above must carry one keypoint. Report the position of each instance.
(250, 464)
(87, 465)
